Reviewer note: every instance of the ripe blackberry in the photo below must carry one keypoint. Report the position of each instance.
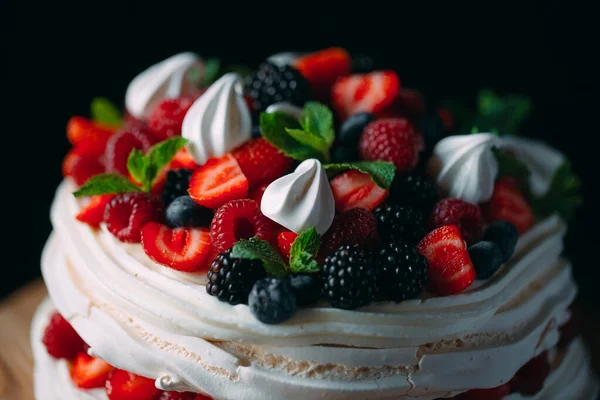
(400, 223)
(272, 300)
(273, 84)
(402, 272)
(177, 184)
(349, 279)
(416, 190)
(231, 279)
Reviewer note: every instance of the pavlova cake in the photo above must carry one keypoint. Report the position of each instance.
(310, 230)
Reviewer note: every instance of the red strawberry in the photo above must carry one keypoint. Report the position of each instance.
(81, 166)
(392, 139)
(183, 249)
(357, 226)
(370, 92)
(201, 396)
(530, 378)
(88, 372)
(452, 211)
(322, 68)
(218, 181)
(121, 144)
(93, 213)
(497, 393)
(257, 194)
(509, 204)
(183, 159)
(450, 267)
(127, 213)
(261, 162)
(177, 396)
(167, 117)
(60, 338)
(356, 189)
(123, 385)
(87, 136)
(284, 242)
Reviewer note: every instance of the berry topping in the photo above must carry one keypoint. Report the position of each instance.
(356, 189)
(353, 127)
(308, 288)
(88, 372)
(261, 162)
(509, 204)
(238, 219)
(285, 240)
(231, 279)
(505, 235)
(410, 103)
(357, 226)
(370, 92)
(272, 300)
(257, 194)
(183, 249)
(185, 212)
(217, 182)
(81, 167)
(466, 216)
(181, 396)
(93, 213)
(400, 223)
(166, 119)
(274, 84)
(416, 190)
(87, 136)
(486, 257)
(391, 139)
(402, 272)
(183, 159)
(323, 68)
(121, 144)
(60, 338)
(127, 213)
(176, 185)
(123, 385)
(497, 393)
(450, 268)
(348, 277)
(530, 378)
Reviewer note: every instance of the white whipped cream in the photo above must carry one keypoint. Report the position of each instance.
(301, 200)
(286, 108)
(176, 76)
(284, 58)
(219, 121)
(465, 167)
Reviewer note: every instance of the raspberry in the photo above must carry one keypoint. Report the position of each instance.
(60, 338)
(127, 213)
(166, 119)
(452, 211)
(391, 139)
(357, 226)
(238, 219)
(261, 162)
(121, 144)
(530, 378)
(83, 167)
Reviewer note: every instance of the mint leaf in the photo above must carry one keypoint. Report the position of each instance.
(162, 153)
(303, 251)
(510, 165)
(273, 128)
(104, 111)
(318, 120)
(258, 249)
(106, 184)
(212, 67)
(563, 197)
(137, 163)
(505, 113)
(382, 172)
(310, 139)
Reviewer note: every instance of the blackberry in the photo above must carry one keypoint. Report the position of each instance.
(231, 279)
(273, 84)
(348, 277)
(308, 288)
(176, 185)
(272, 300)
(400, 223)
(402, 272)
(415, 189)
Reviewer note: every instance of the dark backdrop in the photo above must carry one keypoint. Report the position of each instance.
(55, 59)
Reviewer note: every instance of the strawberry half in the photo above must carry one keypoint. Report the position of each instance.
(87, 136)
(371, 92)
(218, 181)
(81, 166)
(123, 385)
(356, 189)
(509, 204)
(93, 213)
(88, 372)
(183, 159)
(322, 68)
(450, 268)
(261, 162)
(183, 249)
(284, 242)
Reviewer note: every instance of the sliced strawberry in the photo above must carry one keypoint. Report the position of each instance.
(257, 194)
(509, 204)
(371, 92)
(356, 189)
(87, 136)
(120, 146)
(285, 241)
(261, 162)
(218, 181)
(70, 159)
(93, 213)
(183, 159)
(123, 385)
(88, 372)
(450, 268)
(322, 68)
(183, 249)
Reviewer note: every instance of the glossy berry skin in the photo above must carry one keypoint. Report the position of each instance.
(509, 204)
(127, 213)
(176, 184)
(272, 300)
(505, 235)
(231, 279)
(261, 162)
(416, 190)
(308, 288)
(529, 379)
(93, 213)
(400, 222)
(453, 211)
(349, 278)
(88, 372)
(322, 68)
(353, 189)
(60, 338)
(357, 226)
(486, 257)
(120, 145)
(87, 136)
(124, 385)
(285, 240)
(402, 272)
(350, 131)
(167, 117)
(497, 393)
(185, 212)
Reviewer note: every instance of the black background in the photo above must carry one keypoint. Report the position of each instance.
(56, 58)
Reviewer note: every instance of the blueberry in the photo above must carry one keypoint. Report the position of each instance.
(183, 211)
(308, 288)
(505, 235)
(344, 153)
(352, 128)
(486, 258)
(272, 300)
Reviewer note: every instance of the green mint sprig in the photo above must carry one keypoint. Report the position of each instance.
(382, 172)
(304, 250)
(104, 111)
(258, 249)
(106, 184)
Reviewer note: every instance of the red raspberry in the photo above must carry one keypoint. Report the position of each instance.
(177, 396)
(285, 240)
(355, 226)
(497, 393)
(452, 211)
(82, 166)
(238, 219)
(60, 338)
(121, 144)
(391, 139)
(166, 119)
(127, 213)
(530, 379)
(261, 162)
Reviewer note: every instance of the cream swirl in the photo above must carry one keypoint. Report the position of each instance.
(218, 121)
(173, 77)
(301, 200)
